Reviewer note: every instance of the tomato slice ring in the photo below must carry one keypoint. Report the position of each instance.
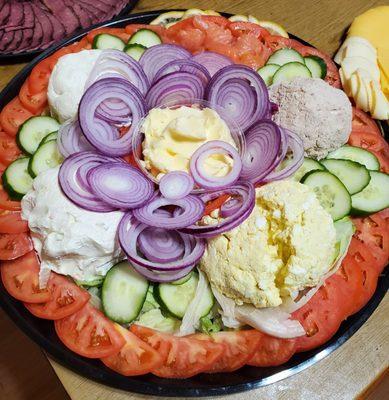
(6, 203)
(34, 103)
(12, 222)
(135, 358)
(14, 245)
(21, 279)
(363, 122)
(66, 298)
(89, 333)
(13, 115)
(9, 150)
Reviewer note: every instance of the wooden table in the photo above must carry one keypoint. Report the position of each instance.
(347, 372)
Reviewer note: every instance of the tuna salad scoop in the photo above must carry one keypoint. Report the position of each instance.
(319, 113)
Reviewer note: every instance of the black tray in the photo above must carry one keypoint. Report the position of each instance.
(43, 333)
(29, 55)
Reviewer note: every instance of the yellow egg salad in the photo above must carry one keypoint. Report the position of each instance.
(286, 245)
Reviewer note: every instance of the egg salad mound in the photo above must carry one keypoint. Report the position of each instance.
(286, 245)
(172, 135)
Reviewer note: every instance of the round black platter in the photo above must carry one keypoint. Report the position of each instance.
(29, 55)
(42, 331)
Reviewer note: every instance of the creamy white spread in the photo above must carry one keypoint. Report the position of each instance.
(69, 240)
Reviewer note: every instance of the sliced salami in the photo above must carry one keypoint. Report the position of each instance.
(29, 22)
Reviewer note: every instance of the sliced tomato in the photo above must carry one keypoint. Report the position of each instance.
(373, 232)
(39, 77)
(14, 245)
(215, 204)
(275, 42)
(186, 356)
(349, 282)
(374, 142)
(272, 351)
(6, 203)
(34, 103)
(320, 317)
(362, 121)
(21, 279)
(13, 115)
(119, 32)
(239, 347)
(66, 299)
(131, 160)
(89, 333)
(240, 27)
(136, 357)
(12, 222)
(361, 256)
(9, 150)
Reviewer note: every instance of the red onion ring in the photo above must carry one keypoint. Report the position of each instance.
(114, 111)
(160, 245)
(71, 139)
(116, 63)
(263, 144)
(230, 207)
(155, 57)
(129, 231)
(246, 191)
(176, 185)
(197, 165)
(120, 185)
(73, 180)
(100, 134)
(190, 66)
(192, 210)
(175, 87)
(213, 62)
(297, 147)
(162, 277)
(241, 92)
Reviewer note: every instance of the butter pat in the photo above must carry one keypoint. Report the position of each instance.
(173, 135)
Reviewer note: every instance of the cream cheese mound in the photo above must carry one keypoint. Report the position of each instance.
(286, 245)
(319, 113)
(67, 83)
(69, 240)
(173, 135)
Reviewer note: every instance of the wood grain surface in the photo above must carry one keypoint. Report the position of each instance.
(346, 373)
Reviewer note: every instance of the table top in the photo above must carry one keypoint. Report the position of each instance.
(363, 358)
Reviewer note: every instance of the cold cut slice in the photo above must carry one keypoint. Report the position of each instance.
(29, 19)
(15, 17)
(4, 13)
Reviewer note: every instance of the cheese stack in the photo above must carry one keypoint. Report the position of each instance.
(364, 61)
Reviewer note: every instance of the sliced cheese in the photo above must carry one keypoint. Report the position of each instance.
(351, 64)
(362, 96)
(360, 50)
(354, 41)
(380, 109)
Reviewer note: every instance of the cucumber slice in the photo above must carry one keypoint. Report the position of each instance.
(32, 132)
(47, 156)
(150, 302)
(16, 179)
(353, 175)
(308, 165)
(175, 299)
(106, 41)
(145, 37)
(92, 283)
(317, 66)
(267, 72)
(154, 319)
(285, 56)
(182, 280)
(374, 197)
(361, 156)
(290, 71)
(330, 191)
(124, 292)
(135, 50)
(50, 136)
(344, 230)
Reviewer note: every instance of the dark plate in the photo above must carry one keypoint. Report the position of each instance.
(29, 55)
(42, 332)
